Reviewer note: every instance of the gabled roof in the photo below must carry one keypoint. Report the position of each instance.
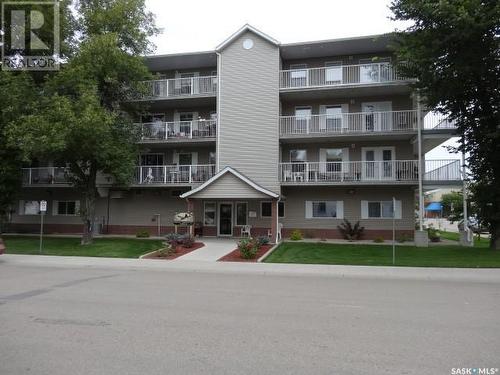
(244, 29)
(235, 173)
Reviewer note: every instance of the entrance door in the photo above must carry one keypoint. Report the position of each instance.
(378, 163)
(377, 116)
(225, 219)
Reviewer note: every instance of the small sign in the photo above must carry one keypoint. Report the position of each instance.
(252, 214)
(43, 206)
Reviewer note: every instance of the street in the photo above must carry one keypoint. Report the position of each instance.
(63, 319)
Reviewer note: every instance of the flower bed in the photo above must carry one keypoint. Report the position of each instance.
(180, 250)
(235, 255)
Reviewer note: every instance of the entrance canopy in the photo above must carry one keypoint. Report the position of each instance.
(230, 184)
(434, 206)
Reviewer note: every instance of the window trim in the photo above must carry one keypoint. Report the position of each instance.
(268, 217)
(339, 210)
(297, 161)
(398, 210)
(236, 213)
(55, 211)
(215, 213)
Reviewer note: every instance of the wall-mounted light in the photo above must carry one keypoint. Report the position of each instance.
(353, 146)
(351, 191)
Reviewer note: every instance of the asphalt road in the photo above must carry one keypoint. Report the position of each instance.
(84, 320)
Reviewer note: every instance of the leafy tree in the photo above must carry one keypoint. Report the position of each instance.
(453, 49)
(83, 119)
(453, 205)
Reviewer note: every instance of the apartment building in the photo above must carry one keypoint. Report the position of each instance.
(275, 136)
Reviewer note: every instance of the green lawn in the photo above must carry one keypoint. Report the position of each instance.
(482, 242)
(102, 247)
(381, 255)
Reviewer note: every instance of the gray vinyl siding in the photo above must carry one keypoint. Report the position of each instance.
(249, 109)
(404, 149)
(229, 186)
(352, 197)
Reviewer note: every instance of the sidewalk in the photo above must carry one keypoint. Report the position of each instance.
(214, 249)
(301, 270)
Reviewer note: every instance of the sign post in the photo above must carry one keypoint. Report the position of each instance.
(43, 209)
(393, 231)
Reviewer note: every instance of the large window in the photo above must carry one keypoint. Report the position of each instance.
(66, 208)
(298, 75)
(298, 156)
(209, 213)
(266, 209)
(29, 207)
(324, 209)
(241, 213)
(333, 72)
(380, 209)
(152, 159)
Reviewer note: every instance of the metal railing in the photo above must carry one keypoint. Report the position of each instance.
(360, 74)
(345, 123)
(178, 87)
(173, 174)
(349, 171)
(438, 121)
(45, 176)
(443, 170)
(159, 130)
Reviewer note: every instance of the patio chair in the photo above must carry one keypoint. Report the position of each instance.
(245, 230)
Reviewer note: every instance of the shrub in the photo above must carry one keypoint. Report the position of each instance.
(188, 242)
(248, 248)
(404, 238)
(173, 239)
(167, 250)
(262, 240)
(379, 240)
(142, 234)
(296, 235)
(351, 232)
(433, 234)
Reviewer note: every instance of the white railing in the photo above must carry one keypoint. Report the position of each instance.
(173, 174)
(351, 171)
(443, 170)
(178, 130)
(177, 87)
(437, 121)
(44, 176)
(360, 74)
(345, 123)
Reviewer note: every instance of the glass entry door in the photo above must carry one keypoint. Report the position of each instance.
(378, 163)
(225, 219)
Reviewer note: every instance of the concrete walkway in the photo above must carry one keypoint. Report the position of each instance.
(214, 249)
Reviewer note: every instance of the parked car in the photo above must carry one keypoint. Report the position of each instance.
(473, 224)
(2, 246)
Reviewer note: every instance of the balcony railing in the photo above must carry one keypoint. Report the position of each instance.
(350, 171)
(179, 87)
(44, 176)
(349, 123)
(173, 174)
(361, 74)
(163, 131)
(443, 170)
(438, 121)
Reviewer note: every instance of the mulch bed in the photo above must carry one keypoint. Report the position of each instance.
(235, 256)
(181, 250)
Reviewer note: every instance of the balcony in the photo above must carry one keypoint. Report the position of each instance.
(44, 176)
(180, 87)
(342, 75)
(173, 174)
(368, 172)
(349, 123)
(178, 131)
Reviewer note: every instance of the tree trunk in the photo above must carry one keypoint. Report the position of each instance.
(495, 238)
(87, 212)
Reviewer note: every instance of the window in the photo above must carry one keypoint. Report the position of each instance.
(298, 75)
(29, 207)
(152, 159)
(380, 209)
(241, 213)
(298, 156)
(185, 159)
(209, 213)
(211, 157)
(333, 72)
(66, 208)
(324, 209)
(266, 209)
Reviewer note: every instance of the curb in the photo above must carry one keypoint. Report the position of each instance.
(268, 252)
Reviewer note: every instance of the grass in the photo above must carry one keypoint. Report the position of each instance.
(101, 247)
(381, 255)
(482, 242)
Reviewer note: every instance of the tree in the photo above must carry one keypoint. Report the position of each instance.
(452, 48)
(453, 205)
(83, 119)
